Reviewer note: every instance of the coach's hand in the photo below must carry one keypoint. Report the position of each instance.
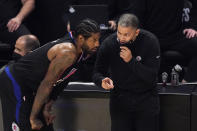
(36, 124)
(125, 54)
(47, 113)
(107, 83)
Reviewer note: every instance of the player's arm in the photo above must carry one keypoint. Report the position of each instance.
(59, 63)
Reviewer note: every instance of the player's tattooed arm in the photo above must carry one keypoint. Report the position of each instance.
(59, 63)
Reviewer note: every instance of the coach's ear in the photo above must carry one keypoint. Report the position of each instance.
(137, 32)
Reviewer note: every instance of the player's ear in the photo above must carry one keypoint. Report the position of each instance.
(81, 39)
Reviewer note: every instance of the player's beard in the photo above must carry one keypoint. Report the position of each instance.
(87, 50)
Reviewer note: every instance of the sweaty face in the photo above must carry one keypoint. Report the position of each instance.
(91, 44)
(126, 34)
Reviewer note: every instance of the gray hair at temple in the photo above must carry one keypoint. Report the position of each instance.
(128, 20)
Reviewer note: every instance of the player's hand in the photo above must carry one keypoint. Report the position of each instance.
(189, 33)
(107, 83)
(13, 24)
(125, 53)
(47, 113)
(36, 124)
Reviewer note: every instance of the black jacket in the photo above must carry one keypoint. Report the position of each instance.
(137, 76)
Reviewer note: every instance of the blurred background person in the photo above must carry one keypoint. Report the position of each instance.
(24, 45)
